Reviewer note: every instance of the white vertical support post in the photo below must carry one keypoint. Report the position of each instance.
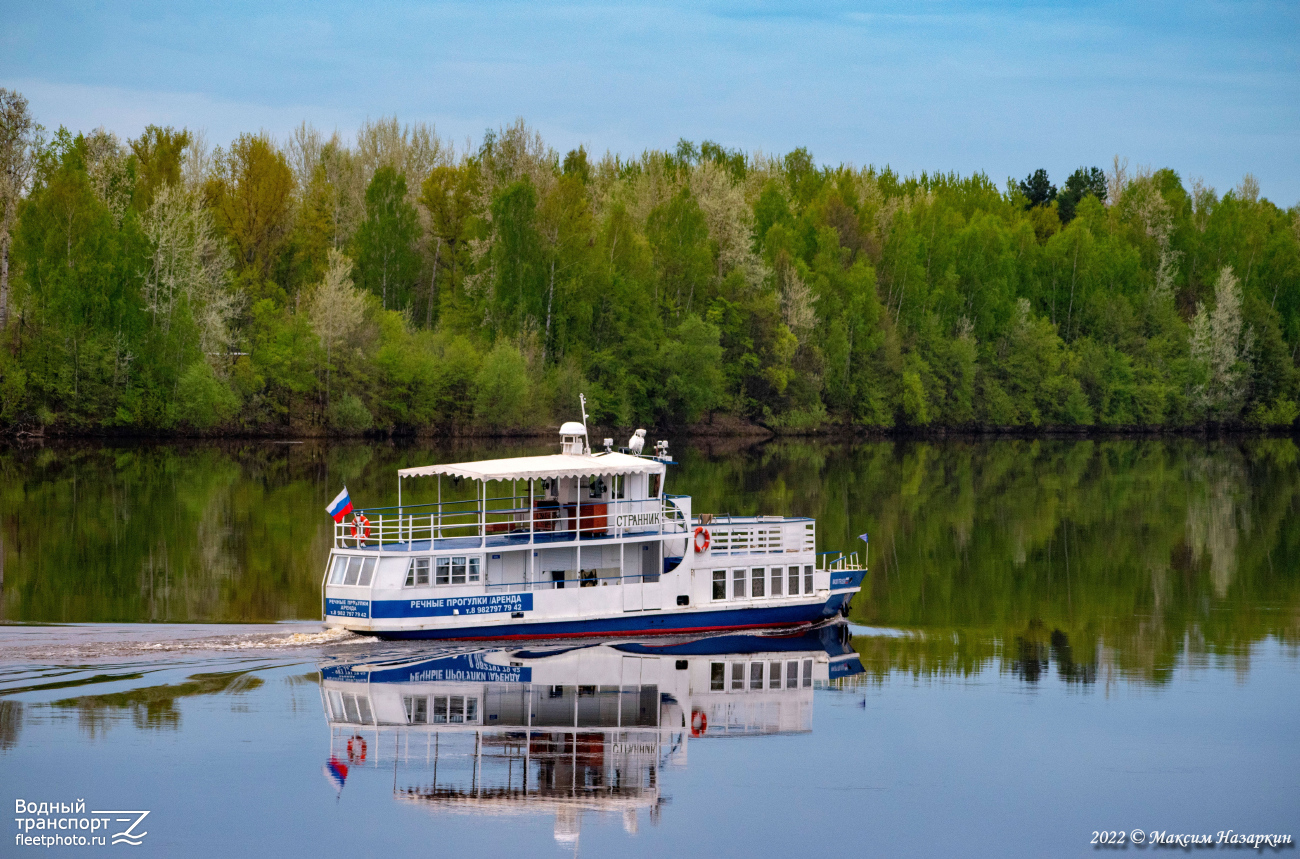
(482, 516)
(530, 572)
(528, 741)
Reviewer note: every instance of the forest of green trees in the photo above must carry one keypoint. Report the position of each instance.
(397, 283)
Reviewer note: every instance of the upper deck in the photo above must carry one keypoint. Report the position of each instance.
(574, 496)
(513, 520)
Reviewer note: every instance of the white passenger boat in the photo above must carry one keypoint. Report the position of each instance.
(577, 543)
(566, 730)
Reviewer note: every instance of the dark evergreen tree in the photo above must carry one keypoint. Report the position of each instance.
(1082, 182)
(1037, 189)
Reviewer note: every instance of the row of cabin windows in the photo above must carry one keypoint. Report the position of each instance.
(447, 709)
(442, 571)
(760, 675)
(352, 570)
(762, 582)
(350, 708)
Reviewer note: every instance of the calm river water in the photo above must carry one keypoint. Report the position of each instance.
(1056, 638)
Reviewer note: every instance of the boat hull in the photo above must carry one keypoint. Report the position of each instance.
(635, 624)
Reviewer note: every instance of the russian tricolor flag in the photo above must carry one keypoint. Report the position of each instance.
(341, 506)
(337, 772)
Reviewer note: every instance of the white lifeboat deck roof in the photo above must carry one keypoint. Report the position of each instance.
(535, 467)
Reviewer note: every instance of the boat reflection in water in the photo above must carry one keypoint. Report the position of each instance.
(568, 730)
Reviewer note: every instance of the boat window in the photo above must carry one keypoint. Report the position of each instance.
(471, 709)
(340, 567)
(440, 710)
(738, 590)
(443, 573)
(774, 675)
(792, 675)
(756, 675)
(474, 569)
(617, 482)
(457, 709)
(654, 486)
(458, 571)
(354, 570)
(363, 705)
(596, 487)
(417, 572)
(336, 706)
(777, 574)
(719, 584)
(737, 675)
(807, 580)
(350, 712)
(757, 582)
(717, 676)
(794, 581)
(367, 572)
(417, 709)
(807, 672)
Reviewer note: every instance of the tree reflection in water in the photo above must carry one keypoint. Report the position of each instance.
(1099, 558)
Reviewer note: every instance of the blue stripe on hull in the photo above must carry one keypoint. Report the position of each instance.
(637, 623)
(829, 638)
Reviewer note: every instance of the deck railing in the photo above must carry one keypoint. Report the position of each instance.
(838, 562)
(758, 535)
(588, 578)
(506, 521)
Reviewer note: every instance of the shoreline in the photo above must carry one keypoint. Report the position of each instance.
(755, 433)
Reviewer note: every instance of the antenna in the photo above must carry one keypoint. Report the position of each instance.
(582, 404)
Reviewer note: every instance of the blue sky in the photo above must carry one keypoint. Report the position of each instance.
(1209, 89)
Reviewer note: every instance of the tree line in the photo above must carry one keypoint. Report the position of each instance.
(399, 283)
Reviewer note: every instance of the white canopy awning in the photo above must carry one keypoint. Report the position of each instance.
(539, 467)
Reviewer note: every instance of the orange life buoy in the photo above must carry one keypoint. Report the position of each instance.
(701, 539)
(361, 527)
(360, 741)
(699, 723)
